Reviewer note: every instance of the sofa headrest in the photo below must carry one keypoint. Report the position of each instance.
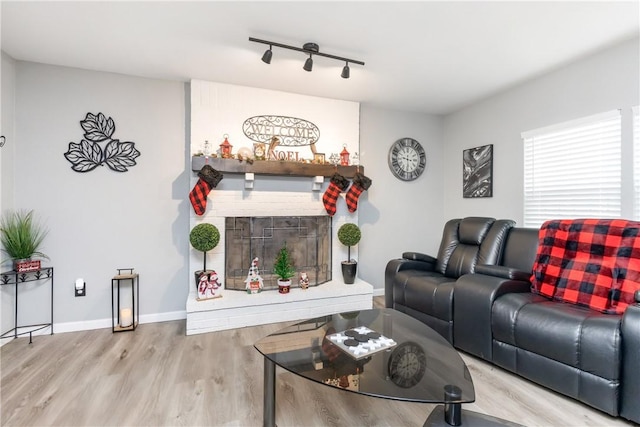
(472, 230)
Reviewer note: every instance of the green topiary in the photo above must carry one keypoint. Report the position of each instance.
(204, 237)
(282, 266)
(349, 235)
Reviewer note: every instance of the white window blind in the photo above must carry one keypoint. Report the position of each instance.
(636, 163)
(572, 170)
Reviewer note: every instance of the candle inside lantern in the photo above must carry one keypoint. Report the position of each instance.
(126, 317)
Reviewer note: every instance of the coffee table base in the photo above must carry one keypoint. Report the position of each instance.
(269, 408)
(438, 418)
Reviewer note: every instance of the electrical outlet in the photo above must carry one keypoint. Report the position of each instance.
(80, 288)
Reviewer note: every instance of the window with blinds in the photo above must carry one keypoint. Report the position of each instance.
(572, 170)
(636, 163)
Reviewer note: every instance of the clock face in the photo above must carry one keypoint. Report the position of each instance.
(407, 365)
(407, 159)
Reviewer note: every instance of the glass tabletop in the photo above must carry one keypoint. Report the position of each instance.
(418, 365)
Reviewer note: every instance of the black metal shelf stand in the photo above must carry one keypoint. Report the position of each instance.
(116, 321)
(15, 278)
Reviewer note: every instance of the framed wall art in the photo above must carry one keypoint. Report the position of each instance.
(477, 172)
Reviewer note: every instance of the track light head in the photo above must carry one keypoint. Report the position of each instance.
(308, 64)
(345, 71)
(266, 58)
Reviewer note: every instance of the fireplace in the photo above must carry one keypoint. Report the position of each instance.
(308, 239)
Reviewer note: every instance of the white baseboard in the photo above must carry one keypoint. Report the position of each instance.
(377, 292)
(106, 323)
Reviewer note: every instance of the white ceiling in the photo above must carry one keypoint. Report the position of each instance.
(423, 56)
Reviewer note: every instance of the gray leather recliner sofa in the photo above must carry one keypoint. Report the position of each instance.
(579, 352)
(422, 286)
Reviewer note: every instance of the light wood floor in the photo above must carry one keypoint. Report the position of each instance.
(158, 376)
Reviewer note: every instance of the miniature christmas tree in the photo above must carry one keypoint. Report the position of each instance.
(282, 266)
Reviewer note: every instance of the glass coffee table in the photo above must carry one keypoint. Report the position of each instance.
(381, 353)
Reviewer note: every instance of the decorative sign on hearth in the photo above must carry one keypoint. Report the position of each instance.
(281, 131)
(88, 155)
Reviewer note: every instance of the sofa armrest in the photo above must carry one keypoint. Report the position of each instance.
(396, 265)
(630, 331)
(503, 272)
(474, 295)
(417, 256)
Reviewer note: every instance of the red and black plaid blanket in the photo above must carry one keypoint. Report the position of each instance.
(589, 262)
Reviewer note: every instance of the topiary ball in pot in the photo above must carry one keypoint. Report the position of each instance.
(204, 237)
(349, 235)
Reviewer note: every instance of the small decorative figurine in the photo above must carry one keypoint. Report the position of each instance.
(304, 281)
(253, 282)
(208, 284)
(344, 156)
(271, 155)
(225, 148)
(259, 151)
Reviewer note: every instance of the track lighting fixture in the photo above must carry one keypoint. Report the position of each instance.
(345, 71)
(307, 48)
(308, 64)
(266, 58)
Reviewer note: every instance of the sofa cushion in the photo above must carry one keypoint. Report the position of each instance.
(589, 262)
(427, 292)
(472, 230)
(470, 241)
(572, 335)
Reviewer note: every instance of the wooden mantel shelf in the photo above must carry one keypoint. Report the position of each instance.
(273, 167)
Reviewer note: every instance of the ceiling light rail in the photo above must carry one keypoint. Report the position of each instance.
(308, 48)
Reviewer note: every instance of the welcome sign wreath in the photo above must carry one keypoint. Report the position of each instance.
(281, 131)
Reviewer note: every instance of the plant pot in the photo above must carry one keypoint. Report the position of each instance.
(284, 286)
(349, 269)
(25, 265)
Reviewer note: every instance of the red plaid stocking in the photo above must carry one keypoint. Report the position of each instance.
(337, 185)
(208, 179)
(360, 183)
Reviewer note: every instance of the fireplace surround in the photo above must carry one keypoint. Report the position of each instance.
(268, 189)
(239, 309)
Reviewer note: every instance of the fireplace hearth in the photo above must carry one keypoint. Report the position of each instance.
(308, 239)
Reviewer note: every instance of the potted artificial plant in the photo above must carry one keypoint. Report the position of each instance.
(21, 236)
(204, 237)
(349, 235)
(283, 269)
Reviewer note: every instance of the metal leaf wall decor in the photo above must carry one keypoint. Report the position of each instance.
(88, 155)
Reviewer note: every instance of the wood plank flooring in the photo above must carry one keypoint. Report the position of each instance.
(158, 376)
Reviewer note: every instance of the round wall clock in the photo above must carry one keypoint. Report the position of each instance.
(407, 364)
(407, 159)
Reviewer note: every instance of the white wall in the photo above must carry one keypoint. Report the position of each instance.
(398, 216)
(604, 81)
(103, 220)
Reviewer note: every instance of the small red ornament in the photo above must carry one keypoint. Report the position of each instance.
(344, 156)
(225, 148)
